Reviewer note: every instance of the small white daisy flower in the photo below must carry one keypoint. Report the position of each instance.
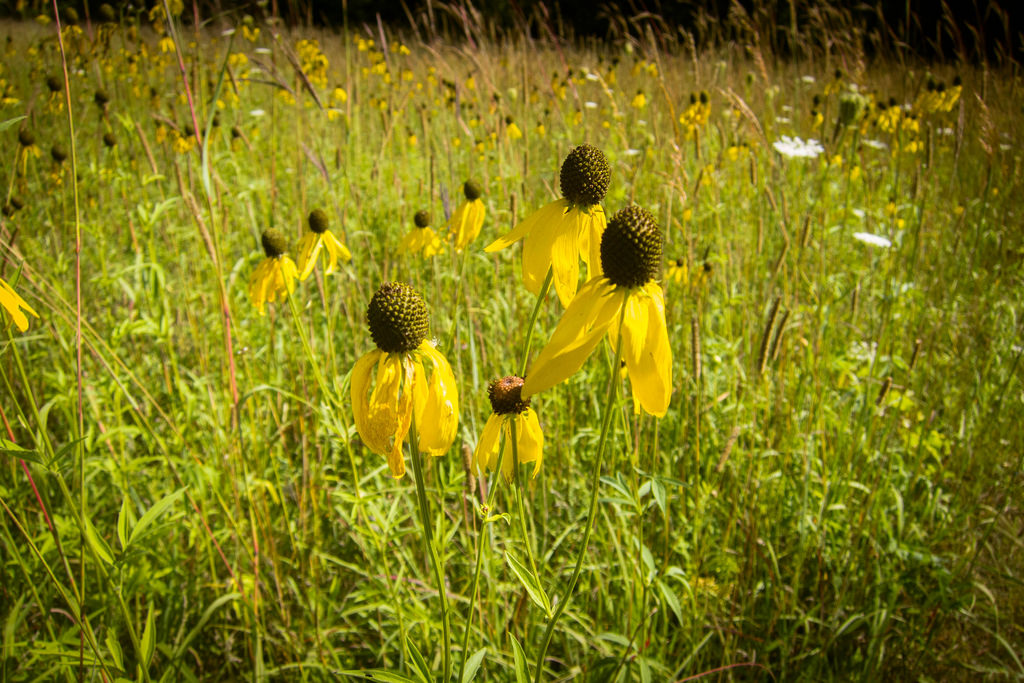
(873, 240)
(797, 148)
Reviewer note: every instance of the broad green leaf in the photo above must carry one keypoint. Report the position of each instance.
(658, 489)
(152, 513)
(522, 666)
(473, 665)
(529, 582)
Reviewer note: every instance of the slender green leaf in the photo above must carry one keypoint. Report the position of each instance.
(420, 666)
(530, 582)
(152, 513)
(148, 643)
(377, 675)
(15, 451)
(96, 542)
(4, 125)
(473, 665)
(521, 664)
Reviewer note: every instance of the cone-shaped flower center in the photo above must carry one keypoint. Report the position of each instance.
(585, 176)
(318, 221)
(472, 190)
(422, 219)
(506, 395)
(54, 83)
(58, 152)
(397, 317)
(631, 248)
(26, 138)
(274, 242)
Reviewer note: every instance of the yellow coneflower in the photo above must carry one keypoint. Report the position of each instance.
(421, 238)
(275, 273)
(559, 234)
(468, 218)
(13, 304)
(627, 291)
(404, 379)
(319, 239)
(511, 129)
(639, 100)
(510, 412)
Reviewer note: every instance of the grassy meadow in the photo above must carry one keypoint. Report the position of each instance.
(834, 492)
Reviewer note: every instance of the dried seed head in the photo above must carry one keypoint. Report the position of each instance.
(58, 152)
(506, 395)
(274, 242)
(101, 97)
(631, 248)
(422, 219)
(109, 140)
(585, 176)
(472, 190)
(318, 221)
(397, 317)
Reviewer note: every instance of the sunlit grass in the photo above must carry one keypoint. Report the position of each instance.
(833, 494)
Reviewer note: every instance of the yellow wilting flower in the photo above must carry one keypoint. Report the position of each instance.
(14, 304)
(275, 273)
(468, 218)
(639, 100)
(559, 234)
(421, 238)
(510, 408)
(631, 259)
(511, 129)
(319, 239)
(413, 380)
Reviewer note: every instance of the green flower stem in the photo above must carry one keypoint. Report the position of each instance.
(322, 383)
(595, 484)
(431, 548)
(533, 320)
(474, 591)
(518, 495)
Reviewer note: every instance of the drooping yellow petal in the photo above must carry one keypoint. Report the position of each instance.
(13, 303)
(336, 250)
(309, 249)
(289, 273)
(259, 282)
(359, 386)
(538, 247)
(527, 225)
(531, 439)
(582, 326)
(390, 411)
(646, 350)
(565, 255)
(466, 222)
(437, 404)
(594, 223)
(486, 454)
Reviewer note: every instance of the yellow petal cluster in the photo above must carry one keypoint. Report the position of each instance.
(272, 276)
(13, 304)
(389, 390)
(497, 437)
(313, 244)
(596, 312)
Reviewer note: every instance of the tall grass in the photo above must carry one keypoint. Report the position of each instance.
(834, 493)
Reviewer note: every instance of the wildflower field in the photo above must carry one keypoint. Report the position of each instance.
(441, 353)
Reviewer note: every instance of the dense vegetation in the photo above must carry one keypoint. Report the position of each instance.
(834, 491)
